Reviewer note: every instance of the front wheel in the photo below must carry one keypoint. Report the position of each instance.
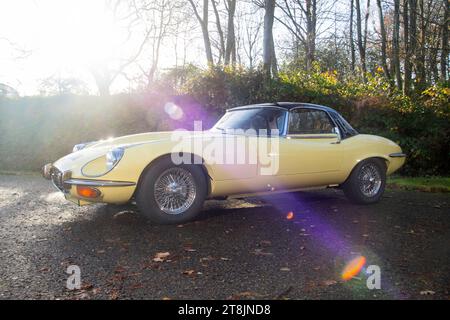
(367, 182)
(171, 193)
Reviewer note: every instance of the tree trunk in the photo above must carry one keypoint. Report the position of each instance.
(231, 39)
(268, 50)
(407, 64)
(311, 19)
(444, 55)
(204, 25)
(361, 49)
(413, 34)
(274, 66)
(421, 75)
(219, 31)
(395, 44)
(352, 44)
(383, 40)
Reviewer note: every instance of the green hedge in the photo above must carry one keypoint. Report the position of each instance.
(37, 130)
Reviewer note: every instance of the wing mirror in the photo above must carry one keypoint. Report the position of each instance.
(338, 134)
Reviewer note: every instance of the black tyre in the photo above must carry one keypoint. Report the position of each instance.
(170, 193)
(367, 182)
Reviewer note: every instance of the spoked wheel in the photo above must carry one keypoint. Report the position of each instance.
(369, 179)
(175, 190)
(171, 193)
(367, 182)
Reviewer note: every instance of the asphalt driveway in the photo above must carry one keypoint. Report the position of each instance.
(291, 246)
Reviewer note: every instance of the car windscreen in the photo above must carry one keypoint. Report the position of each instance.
(255, 119)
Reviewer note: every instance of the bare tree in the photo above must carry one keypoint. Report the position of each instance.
(301, 19)
(407, 62)
(445, 50)
(362, 37)
(383, 40)
(269, 58)
(351, 39)
(413, 32)
(219, 31)
(203, 21)
(396, 44)
(252, 34)
(106, 72)
(57, 85)
(230, 49)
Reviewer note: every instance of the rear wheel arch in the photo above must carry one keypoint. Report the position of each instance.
(369, 189)
(379, 158)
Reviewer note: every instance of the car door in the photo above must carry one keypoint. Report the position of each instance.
(311, 153)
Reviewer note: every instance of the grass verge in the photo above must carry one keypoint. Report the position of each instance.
(426, 184)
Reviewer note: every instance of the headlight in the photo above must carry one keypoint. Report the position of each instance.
(113, 157)
(80, 146)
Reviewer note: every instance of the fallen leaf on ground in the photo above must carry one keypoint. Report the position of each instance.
(188, 272)
(329, 282)
(161, 256)
(427, 292)
(260, 252)
(86, 286)
(114, 295)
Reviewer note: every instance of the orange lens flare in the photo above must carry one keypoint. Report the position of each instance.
(353, 268)
(88, 192)
(290, 215)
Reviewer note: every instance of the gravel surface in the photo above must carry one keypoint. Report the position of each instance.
(238, 249)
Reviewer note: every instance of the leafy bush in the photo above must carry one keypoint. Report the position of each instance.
(36, 130)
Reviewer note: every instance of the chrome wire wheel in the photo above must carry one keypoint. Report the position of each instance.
(175, 190)
(369, 180)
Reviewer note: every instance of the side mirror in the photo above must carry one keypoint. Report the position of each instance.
(338, 134)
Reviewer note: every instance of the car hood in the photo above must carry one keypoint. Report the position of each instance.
(131, 139)
(99, 148)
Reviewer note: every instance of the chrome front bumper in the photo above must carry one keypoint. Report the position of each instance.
(63, 180)
(58, 177)
(47, 171)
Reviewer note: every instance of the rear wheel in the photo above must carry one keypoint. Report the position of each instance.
(367, 182)
(171, 193)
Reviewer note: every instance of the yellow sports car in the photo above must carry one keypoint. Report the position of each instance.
(252, 150)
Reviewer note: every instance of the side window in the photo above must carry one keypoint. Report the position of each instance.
(309, 121)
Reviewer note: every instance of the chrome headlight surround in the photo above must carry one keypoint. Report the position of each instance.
(113, 157)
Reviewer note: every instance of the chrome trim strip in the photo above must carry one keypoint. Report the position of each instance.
(397, 155)
(255, 106)
(99, 183)
(324, 136)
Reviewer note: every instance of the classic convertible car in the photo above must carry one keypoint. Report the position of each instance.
(252, 150)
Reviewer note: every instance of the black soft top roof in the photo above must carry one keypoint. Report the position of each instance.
(285, 105)
(346, 129)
